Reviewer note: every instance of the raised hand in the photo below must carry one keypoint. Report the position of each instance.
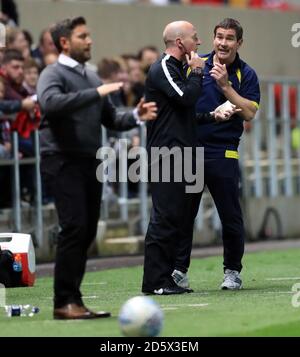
(106, 89)
(219, 73)
(194, 60)
(225, 111)
(146, 111)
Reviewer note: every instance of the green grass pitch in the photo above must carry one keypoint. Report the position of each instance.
(262, 308)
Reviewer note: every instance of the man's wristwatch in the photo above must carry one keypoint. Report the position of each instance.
(198, 70)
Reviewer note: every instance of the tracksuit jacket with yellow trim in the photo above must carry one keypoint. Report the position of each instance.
(222, 139)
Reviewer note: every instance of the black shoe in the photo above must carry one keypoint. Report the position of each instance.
(189, 290)
(169, 290)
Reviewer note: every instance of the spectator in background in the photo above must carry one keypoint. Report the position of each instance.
(147, 55)
(9, 12)
(12, 75)
(5, 146)
(136, 77)
(15, 39)
(269, 4)
(45, 48)
(5, 172)
(31, 76)
(12, 72)
(11, 106)
(28, 38)
(50, 58)
(204, 2)
(5, 143)
(109, 71)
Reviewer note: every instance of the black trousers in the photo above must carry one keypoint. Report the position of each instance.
(221, 176)
(77, 195)
(171, 222)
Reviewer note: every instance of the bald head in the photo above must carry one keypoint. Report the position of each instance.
(176, 29)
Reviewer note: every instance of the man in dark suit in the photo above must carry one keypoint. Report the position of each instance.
(74, 104)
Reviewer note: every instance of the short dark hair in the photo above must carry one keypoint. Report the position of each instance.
(229, 23)
(31, 63)
(12, 55)
(42, 35)
(146, 48)
(107, 67)
(64, 28)
(28, 37)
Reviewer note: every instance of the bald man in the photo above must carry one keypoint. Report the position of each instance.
(173, 209)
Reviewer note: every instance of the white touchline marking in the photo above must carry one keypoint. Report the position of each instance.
(286, 278)
(279, 292)
(169, 308)
(90, 297)
(101, 283)
(85, 297)
(184, 305)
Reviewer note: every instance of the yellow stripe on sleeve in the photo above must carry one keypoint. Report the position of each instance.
(231, 154)
(255, 104)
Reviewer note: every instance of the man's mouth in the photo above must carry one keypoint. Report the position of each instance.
(223, 52)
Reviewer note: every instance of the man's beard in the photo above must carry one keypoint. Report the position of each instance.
(80, 56)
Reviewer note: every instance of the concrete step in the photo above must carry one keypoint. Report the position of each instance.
(120, 246)
(116, 228)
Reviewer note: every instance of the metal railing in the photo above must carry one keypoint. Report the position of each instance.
(15, 162)
(270, 166)
(123, 200)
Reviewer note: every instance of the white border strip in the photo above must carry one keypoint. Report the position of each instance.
(169, 78)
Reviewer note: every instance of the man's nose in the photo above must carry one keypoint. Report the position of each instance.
(223, 42)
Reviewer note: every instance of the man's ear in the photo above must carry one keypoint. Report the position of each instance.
(240, 42)
(64, 43)
(178, 43)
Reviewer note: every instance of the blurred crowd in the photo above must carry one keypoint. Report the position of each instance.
(22, 60)
(262, 4)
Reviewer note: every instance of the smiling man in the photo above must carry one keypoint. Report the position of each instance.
(226, 78)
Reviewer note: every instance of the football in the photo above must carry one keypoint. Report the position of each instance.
(141, 316)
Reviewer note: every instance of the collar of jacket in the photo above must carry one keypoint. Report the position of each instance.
(173, 60)
(231, 68)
